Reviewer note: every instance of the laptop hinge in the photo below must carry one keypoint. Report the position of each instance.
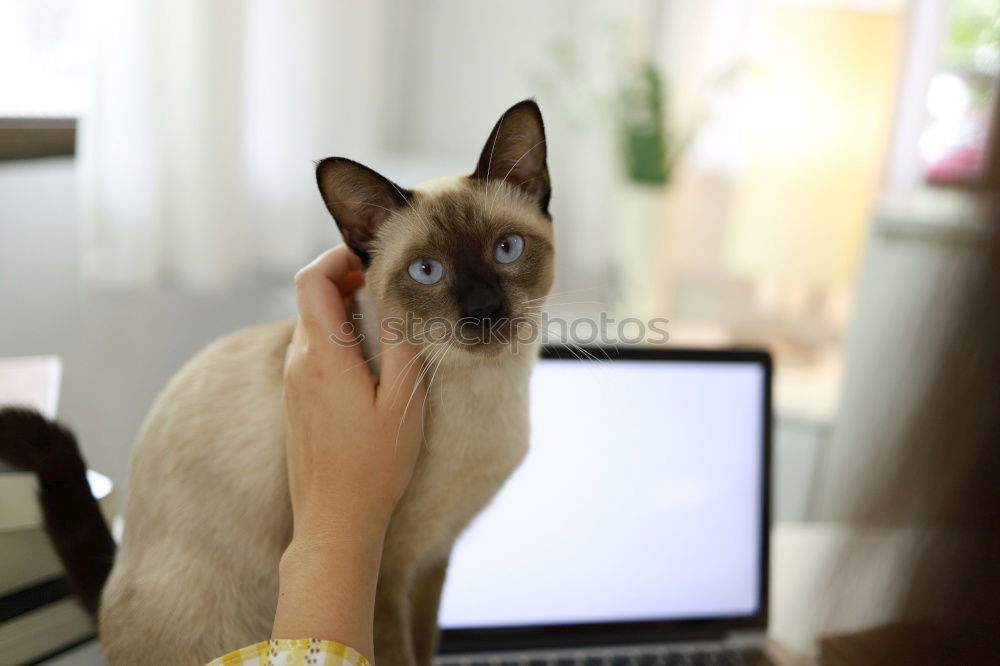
(451, 644)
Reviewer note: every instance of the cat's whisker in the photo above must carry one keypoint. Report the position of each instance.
(430, 384)
(561, 293)
(367, 360)
(423, 407)
(554, 298)
(571, 346)
(570, 343)
(412, 207)
(582, 350)
(556, 305)
(397, 384)
(435, 356)
(363, 362)
(604, 352)
(540, 301)
(511, 170)
(571, 351)
(489, 163)
(365, 203)
(423, 373)
(388, 210)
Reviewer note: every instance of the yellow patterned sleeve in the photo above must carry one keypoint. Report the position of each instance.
(293, 652)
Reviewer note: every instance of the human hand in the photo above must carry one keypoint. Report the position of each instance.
(352, 440)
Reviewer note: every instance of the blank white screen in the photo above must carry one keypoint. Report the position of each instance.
(639, 500)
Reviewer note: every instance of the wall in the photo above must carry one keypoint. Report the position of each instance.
(119, 349)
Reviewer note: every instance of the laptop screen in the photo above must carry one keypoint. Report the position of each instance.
(640, 499)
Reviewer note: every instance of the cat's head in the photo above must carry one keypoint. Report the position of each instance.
(467, 260)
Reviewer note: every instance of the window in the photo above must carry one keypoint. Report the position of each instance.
(957, 143)
(42, 66)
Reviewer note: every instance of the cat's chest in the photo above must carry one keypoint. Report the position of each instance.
(476, 434)
(477, 421)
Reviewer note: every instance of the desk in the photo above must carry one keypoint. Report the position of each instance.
(804, 557)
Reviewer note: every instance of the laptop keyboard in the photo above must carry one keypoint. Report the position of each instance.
(630, 657)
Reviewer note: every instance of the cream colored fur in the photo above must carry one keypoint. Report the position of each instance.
(208, 514)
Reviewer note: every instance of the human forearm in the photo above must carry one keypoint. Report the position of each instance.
(327, 588)
(351, 447)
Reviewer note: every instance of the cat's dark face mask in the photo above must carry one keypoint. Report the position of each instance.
(462, 262)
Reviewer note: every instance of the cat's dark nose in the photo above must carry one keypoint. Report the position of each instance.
(482, 303)
(488, 310)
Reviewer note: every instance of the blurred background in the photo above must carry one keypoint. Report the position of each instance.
(815, 177)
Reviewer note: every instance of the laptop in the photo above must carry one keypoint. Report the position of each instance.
(635, 532)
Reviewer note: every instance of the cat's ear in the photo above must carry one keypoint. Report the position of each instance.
(359, 199)
(516, 151)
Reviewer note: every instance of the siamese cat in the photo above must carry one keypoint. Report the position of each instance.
(208, 513)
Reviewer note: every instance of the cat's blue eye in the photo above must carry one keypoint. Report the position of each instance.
(509, 248)
(426, 271)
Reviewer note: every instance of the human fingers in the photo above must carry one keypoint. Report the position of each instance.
(318, 288)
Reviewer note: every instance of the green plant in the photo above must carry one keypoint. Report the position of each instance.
(643, 119)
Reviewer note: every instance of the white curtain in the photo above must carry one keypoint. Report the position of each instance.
(196, 155)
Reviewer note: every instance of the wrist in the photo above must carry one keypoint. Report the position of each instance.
(326, 587)
(329, 543)
(339, 525)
